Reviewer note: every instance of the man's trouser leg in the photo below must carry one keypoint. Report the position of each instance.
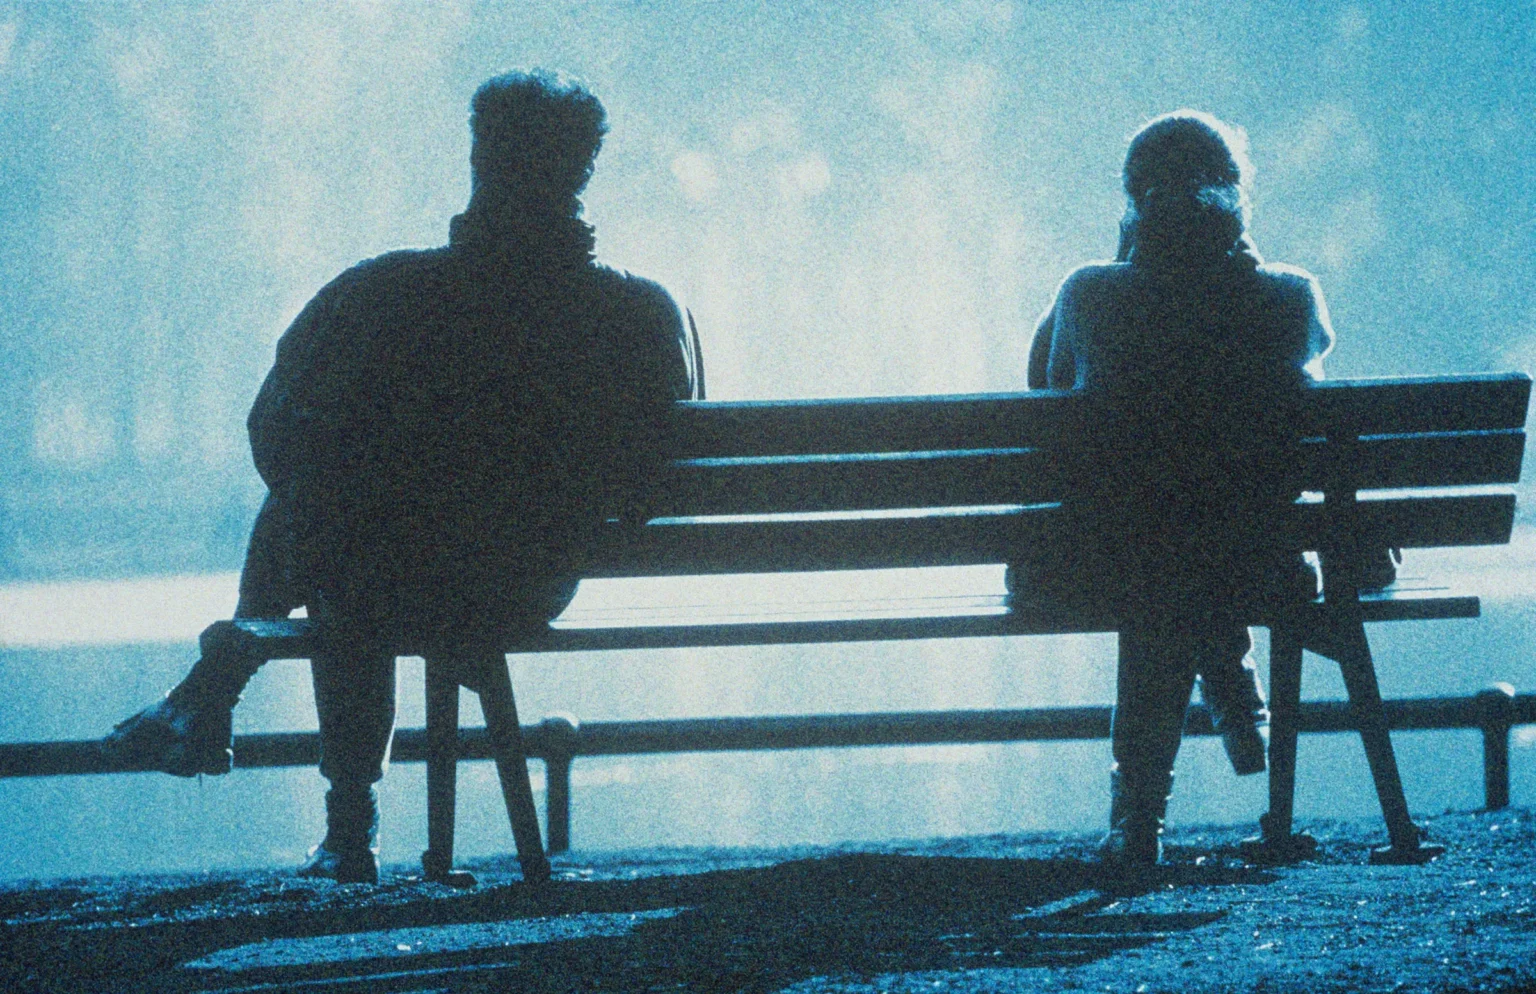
(268, 589)
(355, 702)
(270, 582)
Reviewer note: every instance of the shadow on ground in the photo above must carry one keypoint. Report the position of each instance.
(761, 928)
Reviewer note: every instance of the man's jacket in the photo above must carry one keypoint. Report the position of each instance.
(451, 423)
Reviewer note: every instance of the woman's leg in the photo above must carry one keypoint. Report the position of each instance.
(1230, 688)
(1154, 679)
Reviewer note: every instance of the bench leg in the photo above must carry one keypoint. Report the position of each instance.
(1277, 843)
(557, 802)
(506, 736)
(1354, 659)
(442, 775)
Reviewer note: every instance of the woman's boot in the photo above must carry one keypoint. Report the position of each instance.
(1137, 806)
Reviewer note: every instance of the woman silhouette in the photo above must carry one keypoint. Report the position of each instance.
(1195, 351)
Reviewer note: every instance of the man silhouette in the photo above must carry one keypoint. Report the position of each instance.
(443, 434)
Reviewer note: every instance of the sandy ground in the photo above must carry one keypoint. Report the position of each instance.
(997, 913)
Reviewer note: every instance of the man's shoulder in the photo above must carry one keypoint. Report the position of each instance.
(397, 269)
(629, 288)
(1094, 277)
(635, 300)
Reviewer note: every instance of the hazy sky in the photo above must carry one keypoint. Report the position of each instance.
(854, 199)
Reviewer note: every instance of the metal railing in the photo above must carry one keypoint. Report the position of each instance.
(558, 742)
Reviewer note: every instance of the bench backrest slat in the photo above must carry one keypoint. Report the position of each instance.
(1043, 418)
(870, 483)
(931, 479)
(1439, 459)
(794, 545)
(1421, 522)
(1470, 402)
(881, 424)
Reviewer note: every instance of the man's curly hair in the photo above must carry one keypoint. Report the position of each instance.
(536, 135)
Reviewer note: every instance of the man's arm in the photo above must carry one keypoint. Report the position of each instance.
(695, 361)
(280, 420)
(662, 356)
(658, 361)
(300, 418)
(1037, 375)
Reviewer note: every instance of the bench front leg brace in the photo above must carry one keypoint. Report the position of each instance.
(506, 736)
(1339, 635)
(1354, 659)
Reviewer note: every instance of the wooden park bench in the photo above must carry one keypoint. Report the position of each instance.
(770, 487)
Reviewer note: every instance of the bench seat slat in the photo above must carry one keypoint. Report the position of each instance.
(296, 638)
(1026, 621)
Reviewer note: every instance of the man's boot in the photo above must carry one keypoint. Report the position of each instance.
(349, 854)
(1137, 806)
(190, 731)
(1236, 703)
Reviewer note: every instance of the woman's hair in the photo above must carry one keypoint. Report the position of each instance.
(1187, 176)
